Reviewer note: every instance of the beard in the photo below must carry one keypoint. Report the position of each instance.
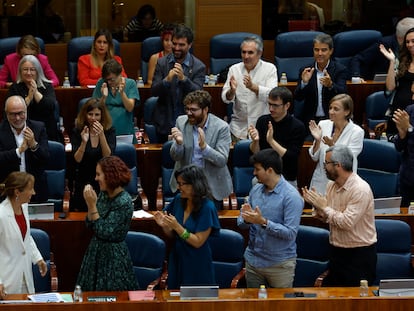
(333, 175)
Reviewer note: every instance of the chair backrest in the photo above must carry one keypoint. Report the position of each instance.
(148, 254)
(294, 50)
(225, 50)
(242, 170)
(8, 46)
(376, 105)
(349, 43)
(127, 153)
(227, 251)
(41, 238)
(80, 46)
(167, 169)
(149, 127)
(149, 46)
(55, 174)
(379, 164)
(393, 250)
(312, 247)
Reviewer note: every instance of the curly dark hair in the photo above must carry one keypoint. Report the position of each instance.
(405, 56)
(116, 172)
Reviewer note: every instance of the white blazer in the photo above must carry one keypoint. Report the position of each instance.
(16, 254)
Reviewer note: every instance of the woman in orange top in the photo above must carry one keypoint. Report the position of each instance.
(90, 65)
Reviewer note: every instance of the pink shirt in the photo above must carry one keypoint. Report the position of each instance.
(8, 72)
(350, 213)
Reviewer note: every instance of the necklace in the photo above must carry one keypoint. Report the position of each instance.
(335, 135)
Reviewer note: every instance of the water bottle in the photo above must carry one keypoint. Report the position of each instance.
(383, 136)
(140, 82)
(283, 78)
(211, 80)
(77, 294)
(262, 294)
(66, 83)
(363, 288)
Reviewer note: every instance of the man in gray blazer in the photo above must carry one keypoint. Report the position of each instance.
(203, 139)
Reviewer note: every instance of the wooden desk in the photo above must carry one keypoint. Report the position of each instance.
(343, 299)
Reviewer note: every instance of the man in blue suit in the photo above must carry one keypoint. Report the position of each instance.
(203, 139)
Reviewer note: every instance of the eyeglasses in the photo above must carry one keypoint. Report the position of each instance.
(14, 115)
(274, 106)
(192, 110)
(26, 69)
(325, 163)
(181, 183)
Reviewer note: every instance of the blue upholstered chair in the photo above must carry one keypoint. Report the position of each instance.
(294, 50)
(149, 127)
(128, 154)
(50, 281)
(148, 253)
(393, 250)
(8, 46)
(349, 43)
(227, 251)
(225, 50)
(55, 174)
(80, 46)
(376, 105)
(164, 192)
(379, 164)
(312, 255)
(242, 172)
(149, 46)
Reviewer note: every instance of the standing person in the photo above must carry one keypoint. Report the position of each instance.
(143, 25)
(400, 77)
(280, 131)
(23, 146)
(348, 208)
(38, 93)
(203, 139)
(120, 95)
(272, 216)
(17, 248)
(90, 65)
(320, 81)
(27, 45)
(175, 76)
(92, 139)
(190, 219)
(247, 86)
(166, 40)
(404, 142)
(339, 129)
(107, 264)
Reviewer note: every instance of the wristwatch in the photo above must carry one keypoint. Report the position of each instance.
(264, 225)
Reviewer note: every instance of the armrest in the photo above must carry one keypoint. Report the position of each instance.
(240, 276)
(164, 276)
(53, 274)
(159, 200)
(320, 278)
(143, 196)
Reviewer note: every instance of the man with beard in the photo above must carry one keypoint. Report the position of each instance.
(176, 75)
(348, 208)
(202, 139)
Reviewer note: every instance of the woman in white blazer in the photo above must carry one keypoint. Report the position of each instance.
(337, 130)
(17, 248)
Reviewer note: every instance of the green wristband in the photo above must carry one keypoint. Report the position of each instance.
(185, 235)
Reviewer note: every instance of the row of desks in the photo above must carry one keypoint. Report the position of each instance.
(70, 237)
(344, 299)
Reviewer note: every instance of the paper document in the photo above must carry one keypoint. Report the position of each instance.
(46, 297)
(141, 214)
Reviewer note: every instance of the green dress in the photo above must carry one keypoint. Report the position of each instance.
(107, 264)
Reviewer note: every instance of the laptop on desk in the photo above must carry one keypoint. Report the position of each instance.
(44, 211)
(390, 205)
(380, 77)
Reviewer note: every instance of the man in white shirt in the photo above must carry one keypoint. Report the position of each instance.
(247, 87)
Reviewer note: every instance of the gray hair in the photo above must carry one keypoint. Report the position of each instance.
(40, 77)
(342, 154)
(324, 39)
(256, 39)
(403, 26)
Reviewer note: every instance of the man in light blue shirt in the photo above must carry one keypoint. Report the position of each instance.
(272, 216)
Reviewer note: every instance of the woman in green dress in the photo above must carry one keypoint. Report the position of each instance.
(107, 264)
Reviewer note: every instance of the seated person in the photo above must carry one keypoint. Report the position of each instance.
(38, 94)
(90, 65)
(27, 45)
(144, 25)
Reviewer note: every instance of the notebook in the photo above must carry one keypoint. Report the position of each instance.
(380, 77)
(43, 211)
(396, 287)
(390, 205)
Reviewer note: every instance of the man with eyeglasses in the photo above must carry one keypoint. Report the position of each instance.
(348, 208)
(23, 146)
(203, 139)
(280, 131)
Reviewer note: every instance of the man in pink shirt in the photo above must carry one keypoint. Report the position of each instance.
(348, 208)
